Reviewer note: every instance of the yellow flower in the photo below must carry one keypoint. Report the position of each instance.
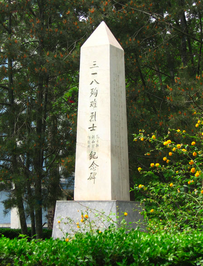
(184, 150)
(139, 169)
(191, 162)
(198, 121)
(59, 222)
(153, 137)
(135, 139)
(189, 182)
(167, 142)
(184, 131)
(178, 130)
(152, 164)
(152, 210)
(78, 226)
(82, 216)
(174, 149)
(157, 164)
(192, 170)
(177, 172)
(168, 161)
(171, 184)
(201, 191)
(82, 220)
(193, 143)
(100, 232)
(170, 153)
(164, 159)
(196, 125)
(178, 190)
(86, 216)
(178, 146)
(197, 173)
(194, 154)
(67, 239)
(141, 186)
(142, 139)
(125, 213)
(77, 223)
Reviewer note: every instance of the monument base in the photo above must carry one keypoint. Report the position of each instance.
(82, 216)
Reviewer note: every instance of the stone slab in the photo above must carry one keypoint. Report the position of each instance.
(101, 214)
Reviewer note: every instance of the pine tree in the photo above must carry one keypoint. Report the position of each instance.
(163, 58)
(40, 55)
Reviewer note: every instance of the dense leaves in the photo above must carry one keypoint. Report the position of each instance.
(107, 248)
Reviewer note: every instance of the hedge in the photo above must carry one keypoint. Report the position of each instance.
(111, 247)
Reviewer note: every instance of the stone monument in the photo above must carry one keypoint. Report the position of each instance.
(101, 169)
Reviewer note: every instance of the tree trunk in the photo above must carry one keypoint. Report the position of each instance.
(21, 211)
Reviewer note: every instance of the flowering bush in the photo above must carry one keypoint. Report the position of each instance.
(173, 184)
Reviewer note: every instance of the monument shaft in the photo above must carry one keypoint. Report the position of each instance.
(101, 171)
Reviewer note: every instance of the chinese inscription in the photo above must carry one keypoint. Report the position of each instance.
(93, 137)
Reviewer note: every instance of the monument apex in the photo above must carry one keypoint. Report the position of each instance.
(101, 36)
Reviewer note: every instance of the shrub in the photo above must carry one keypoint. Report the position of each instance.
(173, 186)
(111, 247)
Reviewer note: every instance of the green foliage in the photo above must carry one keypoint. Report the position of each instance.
(107, 248)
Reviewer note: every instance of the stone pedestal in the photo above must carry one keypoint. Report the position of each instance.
(70, 216)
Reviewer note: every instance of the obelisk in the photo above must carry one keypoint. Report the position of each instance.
(101, 171)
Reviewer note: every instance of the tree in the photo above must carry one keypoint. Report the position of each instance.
(39, 51)
(163, 54)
